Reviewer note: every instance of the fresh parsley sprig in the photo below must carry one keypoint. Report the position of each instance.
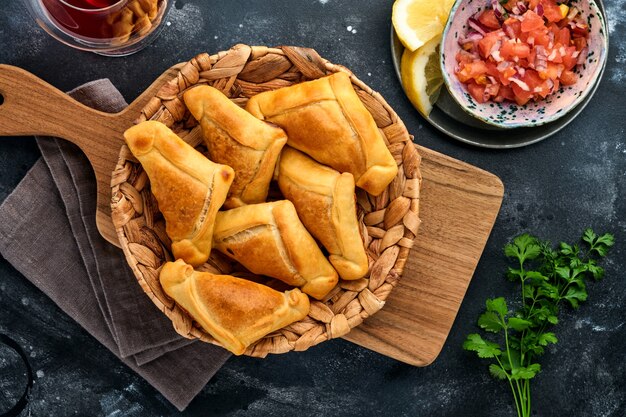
(547, 276)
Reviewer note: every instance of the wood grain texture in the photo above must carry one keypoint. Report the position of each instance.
(459, 204)
(33, 107)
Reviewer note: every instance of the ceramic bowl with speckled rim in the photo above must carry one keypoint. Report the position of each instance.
(509, 114)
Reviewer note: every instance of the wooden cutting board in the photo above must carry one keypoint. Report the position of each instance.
(458, 206)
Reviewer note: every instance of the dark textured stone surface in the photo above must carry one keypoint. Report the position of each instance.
(554, 189)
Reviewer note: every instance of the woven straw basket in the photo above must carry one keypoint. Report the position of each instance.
(388, 222)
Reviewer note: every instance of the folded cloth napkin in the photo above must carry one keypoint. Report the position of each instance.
(48, 233)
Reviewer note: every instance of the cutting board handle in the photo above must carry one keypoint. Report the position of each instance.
(30, 106)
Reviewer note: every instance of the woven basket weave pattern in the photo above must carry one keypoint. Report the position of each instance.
(388, 222)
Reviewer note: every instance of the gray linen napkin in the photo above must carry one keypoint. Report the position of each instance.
(54, 243)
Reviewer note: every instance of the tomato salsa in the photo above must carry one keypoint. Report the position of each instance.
(521, 50)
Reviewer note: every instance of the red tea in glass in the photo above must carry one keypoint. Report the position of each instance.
(106, 27)
(103, 19)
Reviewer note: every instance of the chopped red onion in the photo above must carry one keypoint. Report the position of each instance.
(498, 10)
(491, 90)
(559, 70)
(552, 55)
(503, 65)
(509, 31)
(540, 50)
(539, 9)
(520, 83)
(475, 24)
(496, 47)
(521, 7)
(573, 11)
(471, 37)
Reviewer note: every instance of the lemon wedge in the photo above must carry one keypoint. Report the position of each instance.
(418, 21)
(421, 75)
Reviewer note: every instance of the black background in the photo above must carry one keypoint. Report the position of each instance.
(554, 189)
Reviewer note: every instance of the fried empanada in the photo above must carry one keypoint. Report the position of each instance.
(235, 311)
(326, 119)
(236, 138)
(325, 202)
(269, 239)
(188, 187)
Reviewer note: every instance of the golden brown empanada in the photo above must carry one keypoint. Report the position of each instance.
(326, 119)
(188, 187)
(236, 312)
(325, 202)
(269, 239)
(236, 138)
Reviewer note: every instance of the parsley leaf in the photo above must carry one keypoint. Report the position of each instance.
(497, 305)
(497, 371)
(546, 338)
(519, 324)
(523, 247)
(547, 276)
(483, 348)
(490, 321)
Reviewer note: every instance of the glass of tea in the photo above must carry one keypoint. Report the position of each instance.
(106, 27)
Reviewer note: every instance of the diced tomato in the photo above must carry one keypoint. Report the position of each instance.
(531, 77)
(531, 21)
(551, 11)
(563, 37)
(478, 92)
(580, 31)
(504, 93)
(510, 4)
(486, 43)
(513, 27)
(488, 18)
(580, 43)
(472, 70)
(568, 78)
(521, 97)
(539, 37)
(464, 57)
(568, 59)
(554, 54)
(492, 90)
(552, 72)
(492, 69)
(554, 28)
(503, 64)
(506, 75)
(512, 49)
(536, 84)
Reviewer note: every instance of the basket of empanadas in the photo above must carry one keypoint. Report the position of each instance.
(266, 199)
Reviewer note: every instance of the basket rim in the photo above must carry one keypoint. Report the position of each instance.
(325, 321)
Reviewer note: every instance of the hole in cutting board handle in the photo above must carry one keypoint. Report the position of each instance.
(1, 99)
